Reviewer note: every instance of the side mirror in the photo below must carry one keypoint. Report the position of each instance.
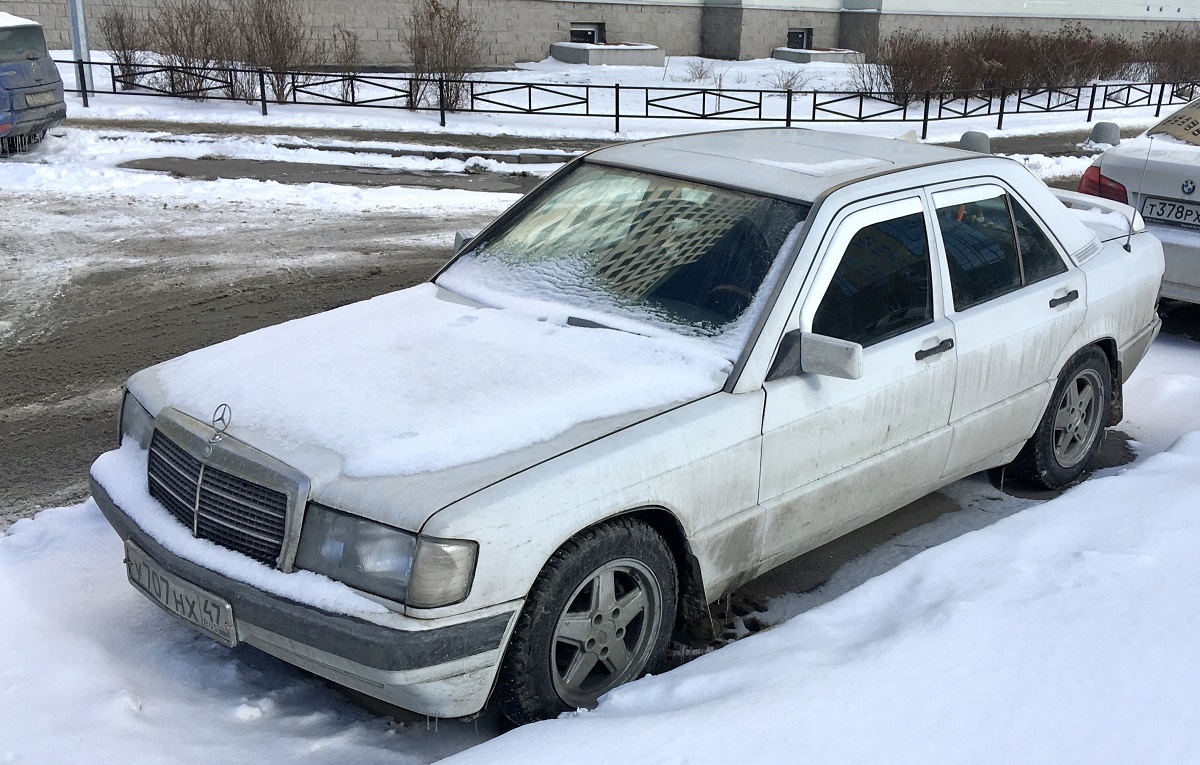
(462, 238)
(816, 354)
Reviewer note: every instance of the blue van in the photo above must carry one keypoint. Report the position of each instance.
(31, 92)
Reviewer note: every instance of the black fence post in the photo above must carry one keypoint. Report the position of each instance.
(1162, 89)
(789, 107)
(925, 119)
(617, 107)
(1091, 105)
(262, 90)
(81, 79)
(1003, 101)
(442, 99)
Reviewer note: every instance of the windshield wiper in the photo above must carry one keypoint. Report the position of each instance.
(575, 321)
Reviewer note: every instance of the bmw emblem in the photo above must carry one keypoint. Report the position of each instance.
(1189, 187)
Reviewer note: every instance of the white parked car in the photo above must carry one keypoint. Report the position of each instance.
(674, 365)
(1158, 173)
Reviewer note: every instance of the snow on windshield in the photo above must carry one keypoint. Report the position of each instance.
(634, 251)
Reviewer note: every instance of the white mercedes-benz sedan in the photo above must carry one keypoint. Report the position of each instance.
(674, 365)
(1158, 174)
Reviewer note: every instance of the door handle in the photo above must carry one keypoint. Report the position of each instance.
(941, 347)
(1070, 297)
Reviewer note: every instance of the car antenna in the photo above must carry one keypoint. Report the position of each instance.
(1145, 164)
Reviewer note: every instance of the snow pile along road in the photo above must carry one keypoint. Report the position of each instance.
(83, 162)
(1063, 634)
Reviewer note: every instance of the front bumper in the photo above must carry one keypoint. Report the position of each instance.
(445, 671)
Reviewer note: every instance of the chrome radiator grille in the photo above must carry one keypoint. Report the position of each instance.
(217, 505)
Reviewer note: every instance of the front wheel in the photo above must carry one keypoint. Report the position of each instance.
(1070, 431)
(599, 615)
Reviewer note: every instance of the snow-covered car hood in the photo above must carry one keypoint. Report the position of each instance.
(397, 406)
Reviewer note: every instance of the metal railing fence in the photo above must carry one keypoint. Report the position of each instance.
(616, 102)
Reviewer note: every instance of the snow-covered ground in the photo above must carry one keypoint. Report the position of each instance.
(1063, 633)
(680, 72)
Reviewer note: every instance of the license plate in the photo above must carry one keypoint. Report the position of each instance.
(43, 98)
(1171, 211)
(203, 610)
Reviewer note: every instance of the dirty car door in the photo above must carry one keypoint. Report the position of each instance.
(838, 452)
(1016, 305)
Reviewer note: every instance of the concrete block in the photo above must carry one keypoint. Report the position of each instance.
(608, 55)
(833, 56)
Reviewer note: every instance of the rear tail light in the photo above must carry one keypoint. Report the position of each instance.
(1098, 185)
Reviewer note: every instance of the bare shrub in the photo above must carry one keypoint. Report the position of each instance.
(1170, 54)
(127, 37)
(699, 70)
(979, 60)
(278, 37)
(909, 64)
(443, 42)
(994, 57)
(347, 57)
(1074, 56)
(786, 78)
(1118, 58)
(192, 38)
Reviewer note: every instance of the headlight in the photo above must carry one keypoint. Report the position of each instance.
(136, 422)
(361, 553)
(422, 572)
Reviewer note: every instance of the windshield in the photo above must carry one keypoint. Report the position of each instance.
(621, 248)
(1183, 124)
(21, 44)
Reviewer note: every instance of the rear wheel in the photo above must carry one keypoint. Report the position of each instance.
(1070, 431)
(599, 615)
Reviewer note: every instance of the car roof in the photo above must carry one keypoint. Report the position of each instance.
(792, 163)
(9, 20)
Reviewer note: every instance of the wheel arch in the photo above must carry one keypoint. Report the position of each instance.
(1107, 346)
(1116, 400)
(692, 620)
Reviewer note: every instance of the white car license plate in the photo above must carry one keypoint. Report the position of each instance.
(1171, 211)
(203, 610)
(43, 98)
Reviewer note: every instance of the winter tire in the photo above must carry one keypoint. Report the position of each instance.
(1069, 434)
(599, 614)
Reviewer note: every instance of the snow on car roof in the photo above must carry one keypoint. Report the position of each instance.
(9, 20)
(794, 163)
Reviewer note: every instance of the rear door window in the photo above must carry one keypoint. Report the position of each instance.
(993, 245)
